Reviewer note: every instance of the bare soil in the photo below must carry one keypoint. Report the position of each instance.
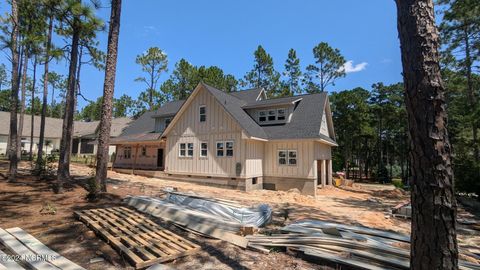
(30, 204)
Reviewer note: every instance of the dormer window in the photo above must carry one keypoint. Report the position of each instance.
(203, 113)
(281, 114)
(167, 122)
(262, 116)
(272, 115)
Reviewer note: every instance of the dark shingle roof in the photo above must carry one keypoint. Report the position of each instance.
(272, 102)
(143, 124)
(170, 108)
(305, 122)
(249, 95)
(233, 106)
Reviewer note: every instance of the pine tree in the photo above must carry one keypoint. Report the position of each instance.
(328, 67)
(263, 74)
(153, 62)
(293, 74)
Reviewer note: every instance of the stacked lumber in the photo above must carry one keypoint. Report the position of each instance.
(26, 251)
(198, 221)
(353, 246)
(139, 239)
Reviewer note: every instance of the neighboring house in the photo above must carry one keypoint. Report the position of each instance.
(241, 140)
(84, 134)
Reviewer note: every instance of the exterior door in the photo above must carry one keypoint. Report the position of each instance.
(159, 158)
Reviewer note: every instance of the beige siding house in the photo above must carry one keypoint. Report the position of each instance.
(241, 140)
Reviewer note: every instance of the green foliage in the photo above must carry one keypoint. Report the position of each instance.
(263, 74)
(3, 77)
(185, 77)
(293, 73)
(5, 100)
(327, 68)
(153, 62)
(398, 183)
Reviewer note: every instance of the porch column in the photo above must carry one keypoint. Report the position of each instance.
(323, 172)
(79, 146)
(329, 172)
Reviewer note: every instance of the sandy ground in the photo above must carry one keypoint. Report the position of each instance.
(363, 204)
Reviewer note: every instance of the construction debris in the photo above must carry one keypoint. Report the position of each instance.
(403, 210)
(139, 239)
(31, 253)
(192, 219)
(354, 246)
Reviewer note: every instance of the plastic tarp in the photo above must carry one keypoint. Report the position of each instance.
(252, 216)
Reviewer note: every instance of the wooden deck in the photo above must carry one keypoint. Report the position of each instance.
(135, 236)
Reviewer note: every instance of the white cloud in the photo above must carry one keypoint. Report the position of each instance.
(349, 67)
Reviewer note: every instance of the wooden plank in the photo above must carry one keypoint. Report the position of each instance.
(137, 234)
(41, 249)
(28, 256)
(8, 263)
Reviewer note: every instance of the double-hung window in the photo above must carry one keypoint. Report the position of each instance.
(185, 150)
(287, 157)
(182, 150)
(220, 149)
(144, 151)
(203, 113)
(189, 149)
(281, 114)
(225, 149)
(203, 149)
(167, 122)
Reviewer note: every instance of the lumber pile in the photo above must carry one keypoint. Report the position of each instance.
(133, 235)
(193, 219)
(353, 246)
(26, 252)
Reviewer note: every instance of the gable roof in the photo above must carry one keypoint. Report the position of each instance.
(306, 120)
(53, 126)
(168, 109)
(248, 95)
(272, 102)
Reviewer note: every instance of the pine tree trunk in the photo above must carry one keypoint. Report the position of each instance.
(39, 166)
(12, 147)
(433, 240)
(63, 173)
(22, 104)
(32, 124)
(108, 89)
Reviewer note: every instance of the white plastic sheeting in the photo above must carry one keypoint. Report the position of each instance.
(253, 216)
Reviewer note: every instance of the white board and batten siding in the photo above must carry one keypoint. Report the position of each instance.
(219, 126)
(305, 159)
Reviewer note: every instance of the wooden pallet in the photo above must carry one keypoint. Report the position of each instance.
(142, 241)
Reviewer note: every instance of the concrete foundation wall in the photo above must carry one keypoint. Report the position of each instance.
(305, 185)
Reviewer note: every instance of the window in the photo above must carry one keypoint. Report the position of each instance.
(144, 151)
(287, 157)
(182, 150)
(262, 116)
(167, 122)
(229, 148)
(225, 149)
(203, 149)
(190, 150)
(282, 157)
(220, 149)
(127, 152)
(203, 113)
(272, 115)
(281, 114)
(292, 157)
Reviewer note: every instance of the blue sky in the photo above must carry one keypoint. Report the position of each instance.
(226, 33)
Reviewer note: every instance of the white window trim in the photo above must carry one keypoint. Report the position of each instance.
(193, 150)
(216, 148)
(200, 114)
(200, 152)
(233, 148)
(287, 159)
(180, 150)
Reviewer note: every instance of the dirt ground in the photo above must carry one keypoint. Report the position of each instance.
(30, 204)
